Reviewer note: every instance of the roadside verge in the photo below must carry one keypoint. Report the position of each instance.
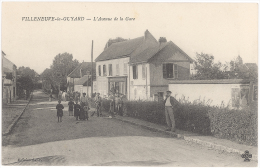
(11, 126)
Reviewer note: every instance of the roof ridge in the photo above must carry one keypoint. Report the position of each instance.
(75, 69)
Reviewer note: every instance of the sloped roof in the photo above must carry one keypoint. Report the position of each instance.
(170, 50)
(140, 49)
(120, 49)
(83, 67)
(85, 81)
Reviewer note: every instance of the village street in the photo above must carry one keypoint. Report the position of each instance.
(38, 139)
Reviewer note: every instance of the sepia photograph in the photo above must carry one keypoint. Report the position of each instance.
(140, 84)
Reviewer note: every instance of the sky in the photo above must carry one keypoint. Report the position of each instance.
(224, 30)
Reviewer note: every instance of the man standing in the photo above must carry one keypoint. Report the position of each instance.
(171, 105)
(98, 104)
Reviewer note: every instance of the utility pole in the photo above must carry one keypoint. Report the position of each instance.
(92, 69)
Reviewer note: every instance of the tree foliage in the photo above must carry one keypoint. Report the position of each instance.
(207, 69)
(55, 76)
(26, 80)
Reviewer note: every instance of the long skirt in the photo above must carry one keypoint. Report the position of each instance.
(82, 115)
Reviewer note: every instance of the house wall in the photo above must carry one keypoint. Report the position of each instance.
(156, 71)
(217, 93)
(83, 89)
(11, 91)
(102, 81)
(141, 84)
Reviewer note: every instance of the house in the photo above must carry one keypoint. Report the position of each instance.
(83, 85)
(80, 78)
(9, 76)
(141, 68)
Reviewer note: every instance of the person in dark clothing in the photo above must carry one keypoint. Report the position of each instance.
(59, 108)
(77, 110)
(171, 106)
(71, 104)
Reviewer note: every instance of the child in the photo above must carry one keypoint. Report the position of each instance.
(59, 108)
(71, 104)
(77, 110)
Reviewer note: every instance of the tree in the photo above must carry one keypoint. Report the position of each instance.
(111, 41)
(26, 80)
(207, 69)
(55, 77)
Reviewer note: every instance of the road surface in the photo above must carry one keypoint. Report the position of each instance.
(38, 139)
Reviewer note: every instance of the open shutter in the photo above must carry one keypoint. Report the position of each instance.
(164, 71)
(175, 71)
(136, 71)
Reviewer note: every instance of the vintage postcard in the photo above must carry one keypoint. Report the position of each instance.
(129, 84)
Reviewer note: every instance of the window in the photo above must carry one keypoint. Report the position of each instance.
(104, 70)
(143, 71)
(135, 72)
(125, 68)
(117, 69)
(170, 70)
(110, 70)
(99, 70)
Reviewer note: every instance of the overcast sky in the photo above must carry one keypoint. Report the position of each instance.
(224, 30)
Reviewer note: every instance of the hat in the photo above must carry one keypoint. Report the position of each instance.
(168, 91)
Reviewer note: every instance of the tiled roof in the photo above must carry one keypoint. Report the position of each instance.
(120, 49)
(140, 49)
(83, 67)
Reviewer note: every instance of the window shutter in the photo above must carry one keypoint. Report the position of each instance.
(136, 69)
(99, 70)
(176, 71)
(164, 71)
(134, 72)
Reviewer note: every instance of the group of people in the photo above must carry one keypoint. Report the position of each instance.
(116, 104)
(79, 110)
(116, 107)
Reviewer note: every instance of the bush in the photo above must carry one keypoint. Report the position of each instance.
(194, 118)
(237, 125)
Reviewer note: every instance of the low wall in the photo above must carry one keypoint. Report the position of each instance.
(232, 92)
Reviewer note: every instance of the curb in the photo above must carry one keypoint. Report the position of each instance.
(191, 139)
(11, 126)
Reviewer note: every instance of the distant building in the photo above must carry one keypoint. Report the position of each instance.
(141, 68)
(80, 78)
(9, 77)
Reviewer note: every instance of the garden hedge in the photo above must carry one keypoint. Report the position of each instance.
(235, 124)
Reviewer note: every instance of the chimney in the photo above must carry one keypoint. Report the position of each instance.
(162, 40)
(146, 34)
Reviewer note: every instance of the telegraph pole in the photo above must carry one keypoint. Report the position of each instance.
(92, 69)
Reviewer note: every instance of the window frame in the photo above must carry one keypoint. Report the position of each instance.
(110, 70)
(117, 69)
(135, 73)
(143, 71)
(99, 70)
(104, 70)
